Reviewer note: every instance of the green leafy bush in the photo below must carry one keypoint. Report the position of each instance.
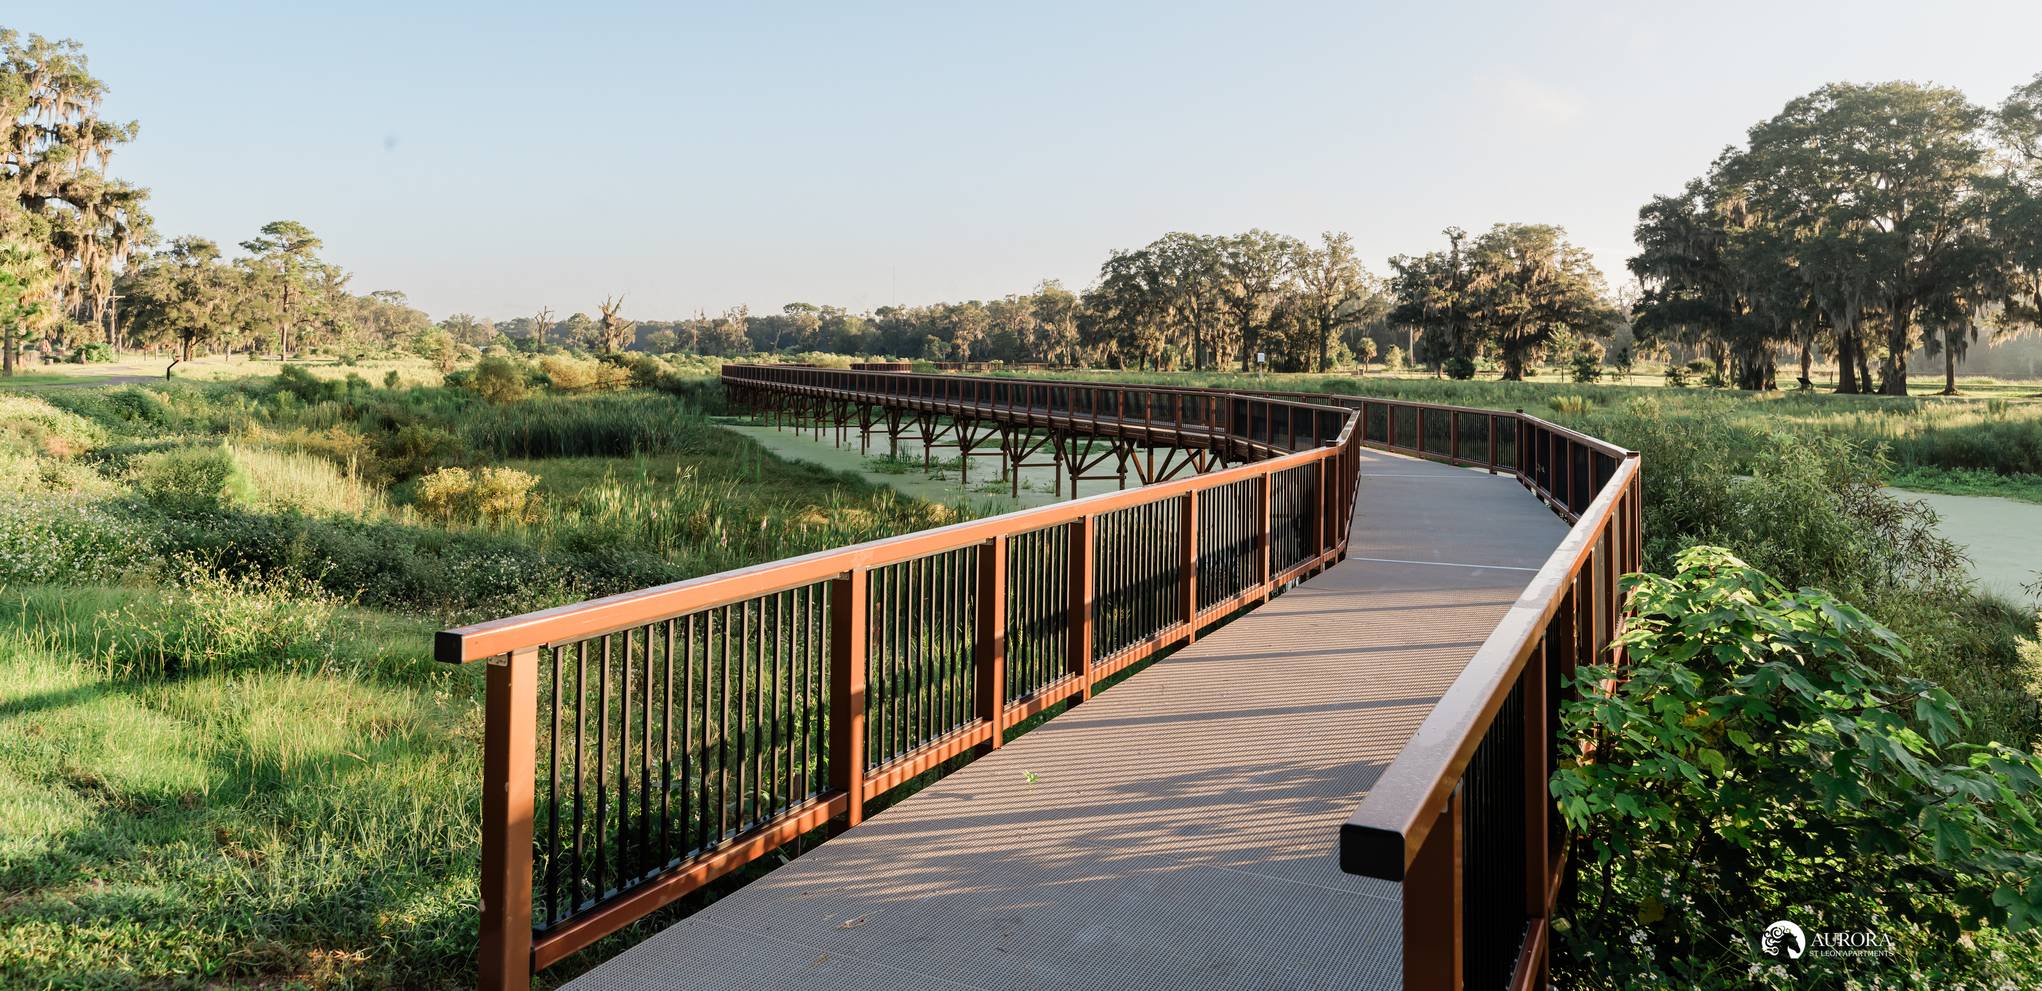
(94, 353)
(488, 496)
(499, 380)
(1459, 368)
(193, 476)
(1586, 363)
(1754, 764)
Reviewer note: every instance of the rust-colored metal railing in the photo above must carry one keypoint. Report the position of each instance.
(1462, 817)
(642, 745)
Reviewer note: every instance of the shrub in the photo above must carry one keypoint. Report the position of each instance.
(1754, 765)
(217, 620)
(499, 380)
(1676, 377)
(190, 476)
(456, 575)
(1394, 359)
(489, 496)
(1587, 362)
(27, 474)
(306, 387)
(1571, 405)
(567, 373)
(31, 426)
(1459, 368)
(94, 353)
(56, 540)
(416, 448)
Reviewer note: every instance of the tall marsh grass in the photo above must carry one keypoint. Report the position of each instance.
(617, 426)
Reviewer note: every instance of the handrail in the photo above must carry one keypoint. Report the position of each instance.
(905, 644)
(742, 710)
(1461, 817)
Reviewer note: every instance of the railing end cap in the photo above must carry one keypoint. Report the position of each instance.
(1372, 851)
(447, 647)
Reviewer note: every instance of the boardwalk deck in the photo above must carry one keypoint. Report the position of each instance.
(1177, 831)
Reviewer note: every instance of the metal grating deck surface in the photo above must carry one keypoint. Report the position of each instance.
(1179, 831)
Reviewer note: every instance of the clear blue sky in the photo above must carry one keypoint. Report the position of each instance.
(495, 157)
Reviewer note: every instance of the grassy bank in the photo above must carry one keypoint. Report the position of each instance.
(226, 757)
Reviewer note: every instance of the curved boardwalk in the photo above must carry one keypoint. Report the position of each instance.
(1176, 831)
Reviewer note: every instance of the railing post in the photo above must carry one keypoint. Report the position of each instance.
(1432, 906)
(992, 636)
(1078, 649)
(509, 750)
(847, 691)
(1319, 527)
(1523, 465)
(1453, 438)
(1263, 548)
(1190, 551)
(1492, 443)
(1538, 807)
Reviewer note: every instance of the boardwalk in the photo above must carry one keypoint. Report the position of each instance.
(1176, 831)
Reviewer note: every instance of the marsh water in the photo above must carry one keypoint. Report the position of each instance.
(2003, 537)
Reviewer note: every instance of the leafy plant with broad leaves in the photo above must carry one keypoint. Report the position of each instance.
(1749, 764)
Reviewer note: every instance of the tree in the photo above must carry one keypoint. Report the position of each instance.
(969, 323)
(1255, 266)
(285, 265)
(1014, 330)
(1430, 293)
(24, 284)
(1713, 278)
(726, 336)
(1334, 288)
(1876, 197)
(615, 330)
(56, 197)
(439, 347)
(1528, 284)
(1194, 290)
(1131, 305)
(469, 329)
(1365, 351)
(183, 296)
(542, 323)
(1056, 309)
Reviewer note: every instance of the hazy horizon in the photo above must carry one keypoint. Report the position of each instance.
(493, 162)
